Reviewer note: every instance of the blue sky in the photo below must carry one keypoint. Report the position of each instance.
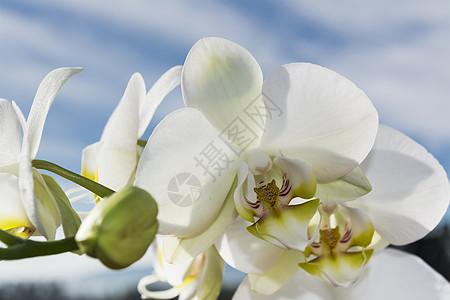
(398, 52)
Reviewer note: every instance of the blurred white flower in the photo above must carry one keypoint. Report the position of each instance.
(198, 278)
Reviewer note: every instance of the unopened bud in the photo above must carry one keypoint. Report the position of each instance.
(119, 230)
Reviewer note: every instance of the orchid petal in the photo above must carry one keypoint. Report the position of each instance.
(300, 176)
(175, 274)
(244, 252)
(177, 169)
(211, 278)
(391, 275)
(336, 262)
(69, 218)
(117, 157)
(342, 269)
(165, 84)
(361, 228)
(223, 80)
(378, 243)
(45, 95)
(47, 215)
(89, 161)
(300, 287)
(286, 266)
(348, 187)
(244, 194)
(156, 257)
(326, 120)
(178, 250)
(12, 214)
(34, 209)
(411, 191)
(39, 206)
(287, 228)
(10, 134)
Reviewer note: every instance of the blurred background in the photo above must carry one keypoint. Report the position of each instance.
(398, 52)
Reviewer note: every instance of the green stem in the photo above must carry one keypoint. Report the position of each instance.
(95, 187)
(30, 248)
(9, 239)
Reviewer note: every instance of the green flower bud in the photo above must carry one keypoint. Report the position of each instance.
(121, 227)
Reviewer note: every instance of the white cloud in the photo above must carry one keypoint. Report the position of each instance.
(397, 52)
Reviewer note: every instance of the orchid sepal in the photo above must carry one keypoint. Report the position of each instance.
(347, 188)
(178, 250)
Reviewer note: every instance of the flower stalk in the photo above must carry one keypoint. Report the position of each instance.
(19, 248)
(95, 187)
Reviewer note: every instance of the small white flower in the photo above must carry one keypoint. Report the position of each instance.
(31, 201)
(112, 161)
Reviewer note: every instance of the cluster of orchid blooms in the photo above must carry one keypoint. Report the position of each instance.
(290, 180)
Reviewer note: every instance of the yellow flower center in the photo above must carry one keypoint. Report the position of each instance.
(330, 237)
(268, 194)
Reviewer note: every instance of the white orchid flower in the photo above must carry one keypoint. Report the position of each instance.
(31, 201)
(112, 161)
(244, 147)
(199, 278)
(391, 275)
(257, 160)
(410, 196)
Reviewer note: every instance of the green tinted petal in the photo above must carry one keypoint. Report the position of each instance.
(48, 213)
(287, 227)
(300, 175)
(341, 269)
(279, 275)
(361, 226)
(349, 187)
(69, 218)
(211, 278)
